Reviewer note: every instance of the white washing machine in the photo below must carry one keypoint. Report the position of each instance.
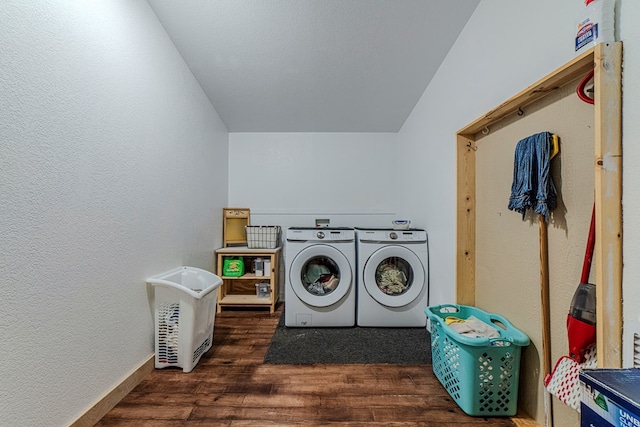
(320, 288)
(393, 277)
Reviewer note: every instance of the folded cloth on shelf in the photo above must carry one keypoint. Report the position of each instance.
(532, 186)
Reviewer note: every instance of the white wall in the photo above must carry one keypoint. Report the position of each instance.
(506, 46)
(290, 179)
(495, 57)
(630, 34)
(113, 168)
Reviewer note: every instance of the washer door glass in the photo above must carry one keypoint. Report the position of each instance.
(394, 276)
(320, 275)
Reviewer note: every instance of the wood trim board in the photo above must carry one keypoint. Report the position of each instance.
(572, 70)
(111, 399)
(608, 195)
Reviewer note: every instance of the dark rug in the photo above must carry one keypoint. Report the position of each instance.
(354, 345)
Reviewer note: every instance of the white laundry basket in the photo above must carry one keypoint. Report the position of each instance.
(185, 306)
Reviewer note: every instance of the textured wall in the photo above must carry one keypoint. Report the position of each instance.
(498, 54)
(291, 178)
(113, 168)
(495, 57)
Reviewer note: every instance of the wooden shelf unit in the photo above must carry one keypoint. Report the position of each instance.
(241, 291)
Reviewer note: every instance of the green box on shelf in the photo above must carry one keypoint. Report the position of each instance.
(233, 267)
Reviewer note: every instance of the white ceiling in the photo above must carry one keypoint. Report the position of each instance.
(313, 65)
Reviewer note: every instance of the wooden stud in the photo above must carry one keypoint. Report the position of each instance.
(608, 194)
(466, 221)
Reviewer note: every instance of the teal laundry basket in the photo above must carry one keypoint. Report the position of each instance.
(480, 374)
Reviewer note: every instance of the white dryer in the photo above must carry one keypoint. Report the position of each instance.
(320, 288)
(393, 277)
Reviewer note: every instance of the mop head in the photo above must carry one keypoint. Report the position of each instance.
(563, 381)
(532, 186)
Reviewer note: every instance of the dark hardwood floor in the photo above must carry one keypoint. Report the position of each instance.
(231, 386)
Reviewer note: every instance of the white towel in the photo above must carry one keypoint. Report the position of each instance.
(474, 328)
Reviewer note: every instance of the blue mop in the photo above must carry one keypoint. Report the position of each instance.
(532, 186)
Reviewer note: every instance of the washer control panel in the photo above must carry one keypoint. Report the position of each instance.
(326, 234)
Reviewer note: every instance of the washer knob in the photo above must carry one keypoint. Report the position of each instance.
(320, 235)
(393, 235)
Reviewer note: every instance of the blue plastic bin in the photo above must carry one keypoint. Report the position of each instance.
(480, 374)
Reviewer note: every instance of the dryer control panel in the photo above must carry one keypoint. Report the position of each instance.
(391, 236)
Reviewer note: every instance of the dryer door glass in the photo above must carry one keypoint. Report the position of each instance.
(394, 276)
(320, 275)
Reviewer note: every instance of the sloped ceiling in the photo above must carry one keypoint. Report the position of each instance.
(313, 65)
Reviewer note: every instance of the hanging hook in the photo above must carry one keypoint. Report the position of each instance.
(486, 130)
(471, 146)
(520, 112)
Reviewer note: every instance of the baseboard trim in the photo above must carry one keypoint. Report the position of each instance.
(111, 399)
(523, 420)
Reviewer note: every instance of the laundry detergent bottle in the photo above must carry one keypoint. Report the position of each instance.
(595, 24)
